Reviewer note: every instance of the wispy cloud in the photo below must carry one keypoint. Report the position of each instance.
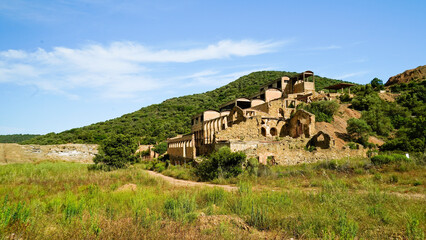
(349, 75)
(119, 70)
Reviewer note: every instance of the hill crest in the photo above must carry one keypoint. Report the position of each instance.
(416, 74)
(158, 122)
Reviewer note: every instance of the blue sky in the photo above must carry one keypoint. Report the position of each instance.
(67, 64)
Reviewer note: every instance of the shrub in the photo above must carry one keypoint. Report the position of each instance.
(160, 148)
(353, 145)
(323, 110)
(252, 166)
(358, 130)
(345, 98)
(387, 159)
(222, 163)
(310, 148)
(117, 151)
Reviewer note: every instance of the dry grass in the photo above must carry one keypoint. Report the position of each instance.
(66, 201)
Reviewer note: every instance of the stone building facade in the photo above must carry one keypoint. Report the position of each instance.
(266, 125)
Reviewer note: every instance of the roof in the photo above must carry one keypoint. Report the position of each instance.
(340, 86)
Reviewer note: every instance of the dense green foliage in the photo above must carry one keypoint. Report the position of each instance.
(160, 148)
(406, 117)
(16, 138)
(358, 130)
(117, 151)
(221, 164)
(388, 159)
(323, 110)
(157, 122)
(377, 84)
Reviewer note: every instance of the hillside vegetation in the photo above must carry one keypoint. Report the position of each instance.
(157, 122)
(16, 138)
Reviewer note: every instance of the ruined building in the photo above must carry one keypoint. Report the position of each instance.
(266, 126)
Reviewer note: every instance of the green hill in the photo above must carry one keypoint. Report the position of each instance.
(16, 138)
(157, 122)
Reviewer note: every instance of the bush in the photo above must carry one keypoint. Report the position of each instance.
(252, 166)
(353, 145)
(387, 159)
(160, 148)
(345, 98)
(323, 110)
(222, 163)
(117, 151)
(358, 130)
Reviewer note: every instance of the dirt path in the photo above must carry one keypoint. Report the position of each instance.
(186, 183)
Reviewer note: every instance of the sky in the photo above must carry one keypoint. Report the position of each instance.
(70, 63)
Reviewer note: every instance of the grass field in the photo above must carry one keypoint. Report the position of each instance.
(329, 200)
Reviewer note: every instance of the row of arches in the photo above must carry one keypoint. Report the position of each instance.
(181, 144)
(272, 132)
(212, 126)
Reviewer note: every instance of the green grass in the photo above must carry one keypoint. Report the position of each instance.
(328, 200)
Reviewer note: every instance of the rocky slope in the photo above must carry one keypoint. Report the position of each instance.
(416, 74)
(15, 153)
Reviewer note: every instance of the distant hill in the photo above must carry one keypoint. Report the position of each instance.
(417, 75)
(157, 122)
(16, 138)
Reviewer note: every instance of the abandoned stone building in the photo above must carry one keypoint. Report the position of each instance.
(265, 126)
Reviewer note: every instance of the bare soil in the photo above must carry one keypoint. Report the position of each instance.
(186, 183)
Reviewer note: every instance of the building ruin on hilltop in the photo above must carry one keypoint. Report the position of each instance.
(266, 125)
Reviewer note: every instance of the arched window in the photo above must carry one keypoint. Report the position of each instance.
(274, 131)
(263, 131)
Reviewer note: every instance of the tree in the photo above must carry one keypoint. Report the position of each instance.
(160, 148)
(377, 84)
(358, 130)
(222, 163)
(117, 151)
(323, 110)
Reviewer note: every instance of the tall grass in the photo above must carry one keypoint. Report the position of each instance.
(66, 201)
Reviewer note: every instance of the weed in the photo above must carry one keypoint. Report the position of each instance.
(259, 218)
(215, 196)
(13, 213)
(414, 231)
(379, 212)
(346, 228)
(181, 208)
(393, 179)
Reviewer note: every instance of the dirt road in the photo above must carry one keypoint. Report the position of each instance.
(186, 183)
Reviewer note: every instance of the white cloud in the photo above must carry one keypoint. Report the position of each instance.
(214, 79)
(349, 75)
(120, 70)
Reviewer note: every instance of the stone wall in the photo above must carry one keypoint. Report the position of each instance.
(15, 153)
(302, 123)
(288, 151)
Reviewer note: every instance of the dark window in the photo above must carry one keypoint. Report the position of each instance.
(243, 104)
(263, 130)
(274, 132)
(279, 84)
